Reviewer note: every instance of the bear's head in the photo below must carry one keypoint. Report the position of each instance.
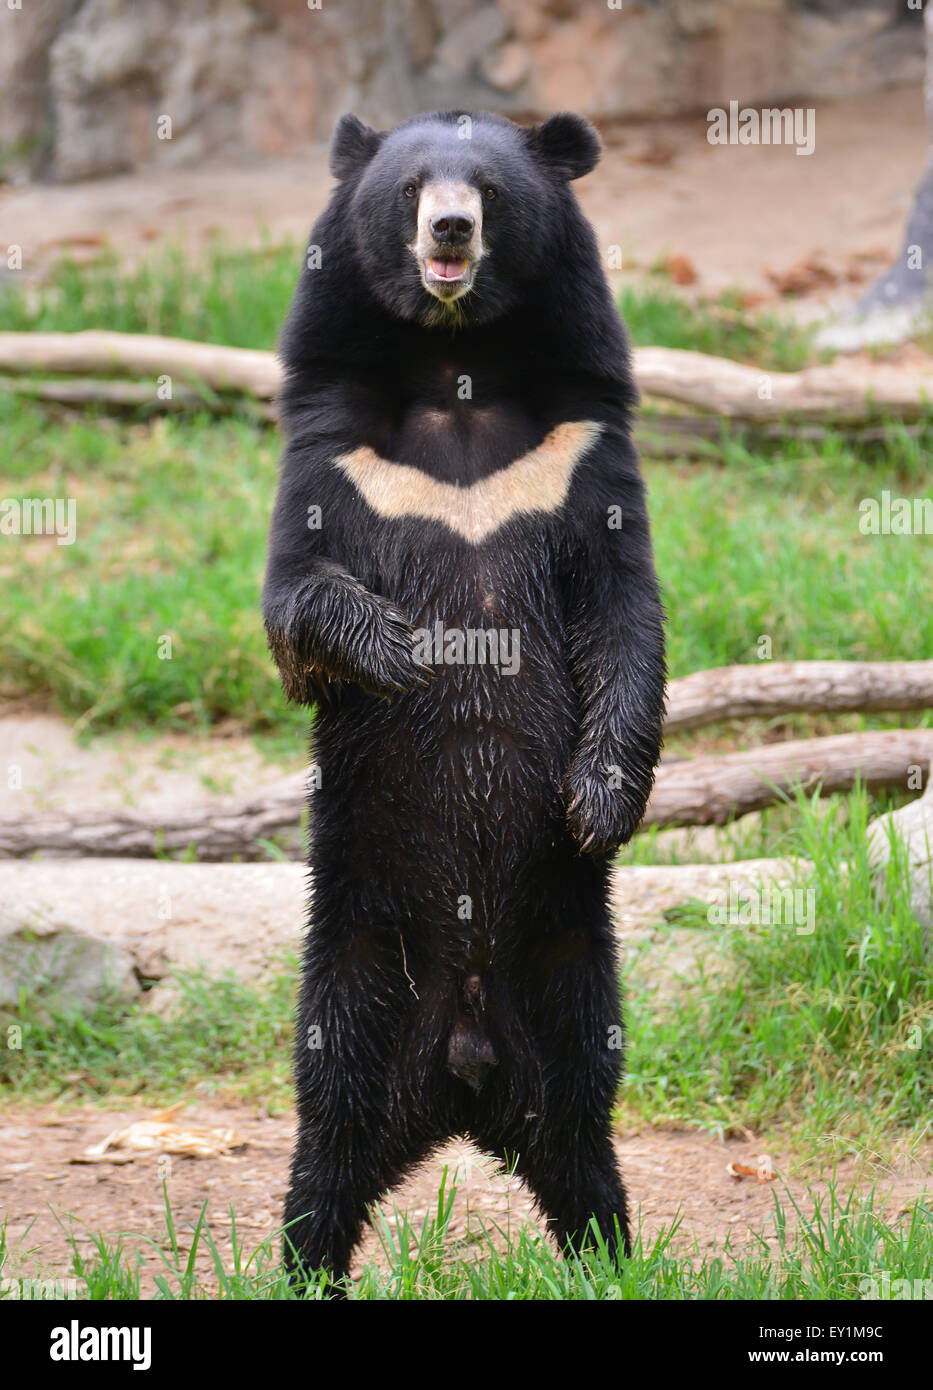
(455, 218)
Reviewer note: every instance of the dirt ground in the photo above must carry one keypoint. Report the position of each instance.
(661, 188)
(44, 1194)
(123, 769)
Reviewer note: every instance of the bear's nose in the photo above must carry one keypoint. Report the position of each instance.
(452, 227)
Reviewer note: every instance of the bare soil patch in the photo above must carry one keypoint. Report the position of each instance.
(44, 1195)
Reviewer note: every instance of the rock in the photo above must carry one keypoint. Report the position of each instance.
(644, 899)
(507, 67)
(853, 331)
(913, 824)
(860, 51)
(467, 41)
(695, 17)
(162, 914)
(25, 39)
(898, 306)
(56, 970)
(527, 18)
(83, 84)
(119, 69)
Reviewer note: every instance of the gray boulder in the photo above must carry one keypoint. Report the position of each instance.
(913, 824)
(53, 970)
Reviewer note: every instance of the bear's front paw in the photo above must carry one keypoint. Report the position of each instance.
(390, 666)
(599, 814)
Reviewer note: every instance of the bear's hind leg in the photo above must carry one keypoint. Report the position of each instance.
(373, 1100)
(575, 1187)
(548, 1106)
(359, 1135)
(329, 1196)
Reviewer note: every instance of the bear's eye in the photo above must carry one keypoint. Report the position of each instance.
(410, 190)
(489, 192)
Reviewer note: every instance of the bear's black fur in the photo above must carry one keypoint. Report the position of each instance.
(460, 971)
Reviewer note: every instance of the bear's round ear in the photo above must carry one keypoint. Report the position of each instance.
(568, 143)
(353, 145)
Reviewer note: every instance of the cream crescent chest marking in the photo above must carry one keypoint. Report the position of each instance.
(537, 482)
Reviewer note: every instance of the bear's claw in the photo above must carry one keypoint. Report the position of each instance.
(392, 668)
(600, 818)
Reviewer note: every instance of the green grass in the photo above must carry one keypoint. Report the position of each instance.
(221, 1035)
(171, 527)
(228, 294)
(829, 1030)
(657, 316)
(769, 546)
(833, 1250)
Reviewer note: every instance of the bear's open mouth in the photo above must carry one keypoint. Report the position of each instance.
(446, 277)
(447, 270)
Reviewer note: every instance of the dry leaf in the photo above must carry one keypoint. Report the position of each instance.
(762, 1172)
(809, 274)
(750, 299)
(160, 1134)
(680, 268)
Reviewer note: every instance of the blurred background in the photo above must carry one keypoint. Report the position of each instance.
(129, 122)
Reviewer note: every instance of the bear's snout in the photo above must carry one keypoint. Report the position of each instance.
(452, 228)
(449, 242)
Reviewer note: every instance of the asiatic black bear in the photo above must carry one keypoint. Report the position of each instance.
(459, 482)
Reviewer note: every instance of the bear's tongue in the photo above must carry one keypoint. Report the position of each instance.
(447, 270)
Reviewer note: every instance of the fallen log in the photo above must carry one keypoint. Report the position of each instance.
(128, 395)
(227, 828)
(100, 353)
(696, 791)
(715, 790)
(92, 391)
(842, 392)
(797, 687)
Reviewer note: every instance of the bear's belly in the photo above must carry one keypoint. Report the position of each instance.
(469, 768)
(443, 812)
